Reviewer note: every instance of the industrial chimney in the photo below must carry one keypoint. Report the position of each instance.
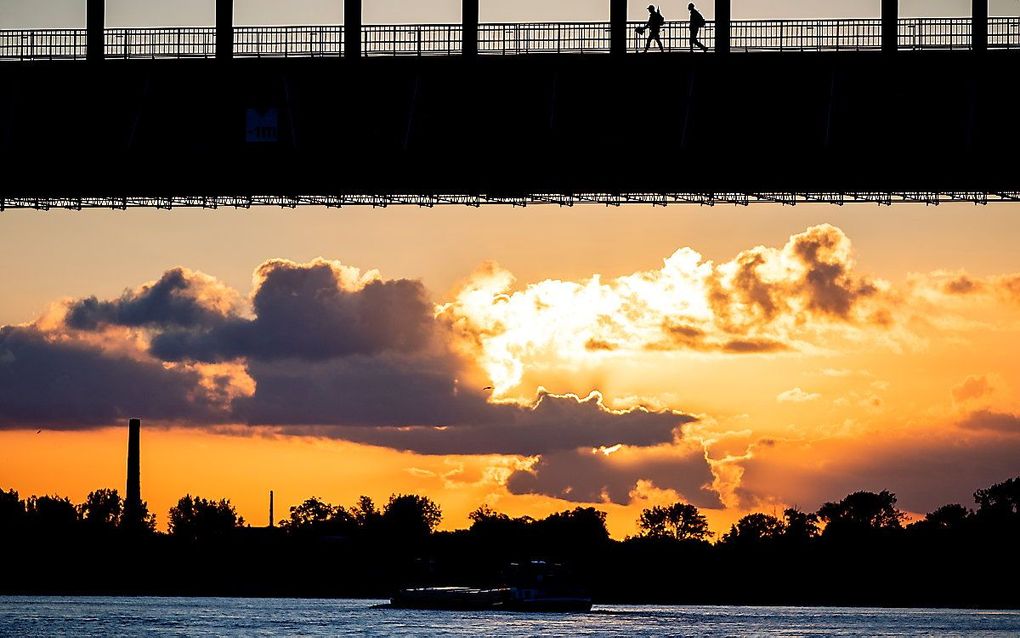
(271, 508)
(133, 500)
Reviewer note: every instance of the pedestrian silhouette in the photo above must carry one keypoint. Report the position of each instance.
(653, 27)
(697, 22)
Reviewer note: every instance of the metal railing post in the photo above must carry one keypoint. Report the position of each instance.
(224, 29)
(618, 27)
(95, 25)
(469, 27)
(890, 25)
(352, 29)
(722, 26)
(979, 26)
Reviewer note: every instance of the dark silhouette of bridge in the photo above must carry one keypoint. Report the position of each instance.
(876, 110)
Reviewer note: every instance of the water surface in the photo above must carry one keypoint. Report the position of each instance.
(129, 617)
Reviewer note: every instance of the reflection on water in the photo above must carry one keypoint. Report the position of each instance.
(128, 617)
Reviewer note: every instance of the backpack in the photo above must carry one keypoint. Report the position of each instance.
(658, 20)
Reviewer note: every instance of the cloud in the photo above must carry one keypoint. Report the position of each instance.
(972, 388)
(316, 311)
(323, 350)
(985, 420)
(551, 424)
(56, 382)
(764, 301)
(181, 298)
(925, 469)
(797, 395)
(590, 476)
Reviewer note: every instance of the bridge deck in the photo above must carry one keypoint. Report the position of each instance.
(842, 127)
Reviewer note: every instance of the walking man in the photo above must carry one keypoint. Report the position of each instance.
(654, 26)
(697, 22)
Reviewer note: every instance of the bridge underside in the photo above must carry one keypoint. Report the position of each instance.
(833, 126)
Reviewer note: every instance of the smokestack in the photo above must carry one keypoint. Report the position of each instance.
(133, 501)
(270, 508)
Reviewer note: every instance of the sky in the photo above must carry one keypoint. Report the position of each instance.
(741, 359)
(137, 13)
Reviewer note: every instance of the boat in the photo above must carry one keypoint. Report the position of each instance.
(532, 587)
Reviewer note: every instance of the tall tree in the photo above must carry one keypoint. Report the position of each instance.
(861, 513)
(102, 510)
(410, 515)
(755, 529)
(195, 518)
(679, 521)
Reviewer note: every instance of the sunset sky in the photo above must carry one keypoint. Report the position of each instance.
(741, 359)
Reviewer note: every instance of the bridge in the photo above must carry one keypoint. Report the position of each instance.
(880, 110)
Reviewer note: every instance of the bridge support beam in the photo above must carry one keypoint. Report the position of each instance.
(352, 29)
(979, 27)
(224, 29)
(618, 27)
(890, 25)
(722, 26)
(469, 26)
(95, 26)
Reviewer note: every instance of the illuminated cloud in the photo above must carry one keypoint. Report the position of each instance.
(765, 301)
(796, 395)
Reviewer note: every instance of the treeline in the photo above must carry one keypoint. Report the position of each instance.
(855, 551)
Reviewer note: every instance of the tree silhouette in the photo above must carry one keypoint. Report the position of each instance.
(861, 513)
(196, 519)
(948, 517)
(801, 527)
(315, 516)
(1001, 500)
(580, 527)
(102, 510)
(679, 521)
(51, 514)
(12, 512)
(755, 529)
(409, 515)
(366, 515)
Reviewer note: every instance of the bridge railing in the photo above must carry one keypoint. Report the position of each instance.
(49, 44)
(502, 38)
(164, 42)
(1004, 33)
(412, 39)
(285, 42)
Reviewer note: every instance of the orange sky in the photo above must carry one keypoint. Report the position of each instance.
(910, 386)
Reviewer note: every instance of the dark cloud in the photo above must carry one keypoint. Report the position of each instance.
(830, 287)
(174, 300)
(687, 337)
(962, 285)
(924, 471)
(400, 409)
(585, 477)
(986, 420)
(56, 382)
(751, 346)
(307, 311)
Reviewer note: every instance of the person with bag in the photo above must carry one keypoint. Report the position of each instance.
(653, 27)
(697, 22)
